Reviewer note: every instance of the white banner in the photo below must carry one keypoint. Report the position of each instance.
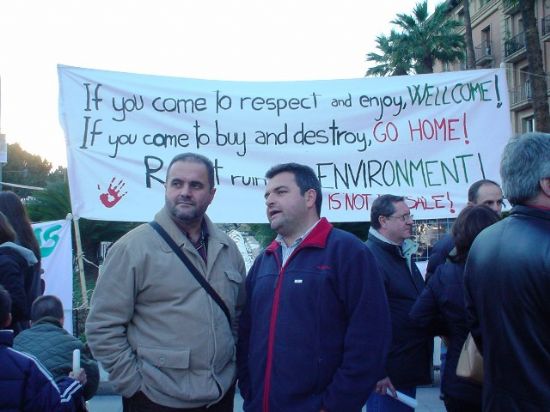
(426, 137)
(55, 243)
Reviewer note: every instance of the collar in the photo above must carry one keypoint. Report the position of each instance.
(380, 236)
(317, 236)
(537, 212)
(279, 239)
(27, 254)
(47, 320)
(540, 207)
(165, 220)
(408, 248)
(203, 237)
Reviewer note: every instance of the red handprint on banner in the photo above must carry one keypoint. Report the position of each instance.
(113, 194)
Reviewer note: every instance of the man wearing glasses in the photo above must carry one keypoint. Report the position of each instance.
(409, 360)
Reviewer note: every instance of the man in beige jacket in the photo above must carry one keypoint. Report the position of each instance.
(167, 345)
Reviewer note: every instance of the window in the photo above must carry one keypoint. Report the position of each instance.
(486, 41)
(528, 124)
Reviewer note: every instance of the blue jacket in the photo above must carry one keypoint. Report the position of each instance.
(25, 385)
(410, 356)
(315, 332)
(17, 275)
(442, 301)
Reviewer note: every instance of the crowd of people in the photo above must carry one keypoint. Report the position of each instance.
(37, 369)
(322, 322)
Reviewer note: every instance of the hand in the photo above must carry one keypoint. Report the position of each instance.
(383, 385)
(81, 377)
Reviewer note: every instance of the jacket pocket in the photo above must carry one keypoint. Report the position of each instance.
(232, 286)
(234, 276)
(166, 372)
(165, 358)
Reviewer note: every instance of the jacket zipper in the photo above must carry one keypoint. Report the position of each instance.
(271, 337)
(272, 322)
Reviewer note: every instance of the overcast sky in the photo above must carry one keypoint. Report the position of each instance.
(208, 39)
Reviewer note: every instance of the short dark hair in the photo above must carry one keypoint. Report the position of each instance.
(383, 206)
(473, 191)
(305, 177)
(197, 158)
(5, 307)
(525, 161)
(47, 305)
(469, 223)
(7, 233)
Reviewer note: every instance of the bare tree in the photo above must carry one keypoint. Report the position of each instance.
(468, 38)
(537, 76)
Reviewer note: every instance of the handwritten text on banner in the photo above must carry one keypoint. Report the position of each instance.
(425, 137)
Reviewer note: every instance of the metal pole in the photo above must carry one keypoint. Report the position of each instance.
(79, 254)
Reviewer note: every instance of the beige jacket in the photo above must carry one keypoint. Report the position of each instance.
(155, 329)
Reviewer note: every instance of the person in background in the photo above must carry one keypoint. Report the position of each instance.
(166, 343)
(15, 261)
(507, 284)
(441, 306)
(12, 207)
(410, 358)
(483, 192)
(53, 346)
(316, 330)
(25, 385)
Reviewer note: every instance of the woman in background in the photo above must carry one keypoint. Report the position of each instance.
(12, 207)
(441, 304)
(15, 261)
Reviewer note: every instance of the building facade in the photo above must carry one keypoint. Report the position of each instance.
(499, 41)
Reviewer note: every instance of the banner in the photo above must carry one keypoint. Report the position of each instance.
(425, 137)
(55, 243)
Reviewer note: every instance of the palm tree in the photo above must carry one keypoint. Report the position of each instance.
(393, 61)
(422, 40)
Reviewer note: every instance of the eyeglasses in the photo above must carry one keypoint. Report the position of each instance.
(404, 218)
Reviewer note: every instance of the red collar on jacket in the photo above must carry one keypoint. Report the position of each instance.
(316, 238)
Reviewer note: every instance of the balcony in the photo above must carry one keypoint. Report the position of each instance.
(520, 96)
(510, 6)
(514, 48)
(545, 28)
(484, 53)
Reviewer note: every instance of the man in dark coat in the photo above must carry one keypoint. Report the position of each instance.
(410, 356)
(507, 281)
(53, 346)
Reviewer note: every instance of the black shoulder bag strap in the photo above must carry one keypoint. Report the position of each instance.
(203, 282)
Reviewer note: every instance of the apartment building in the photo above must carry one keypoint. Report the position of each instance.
(499, 40)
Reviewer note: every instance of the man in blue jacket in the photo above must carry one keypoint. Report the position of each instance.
(315, 331)
(25, 385)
